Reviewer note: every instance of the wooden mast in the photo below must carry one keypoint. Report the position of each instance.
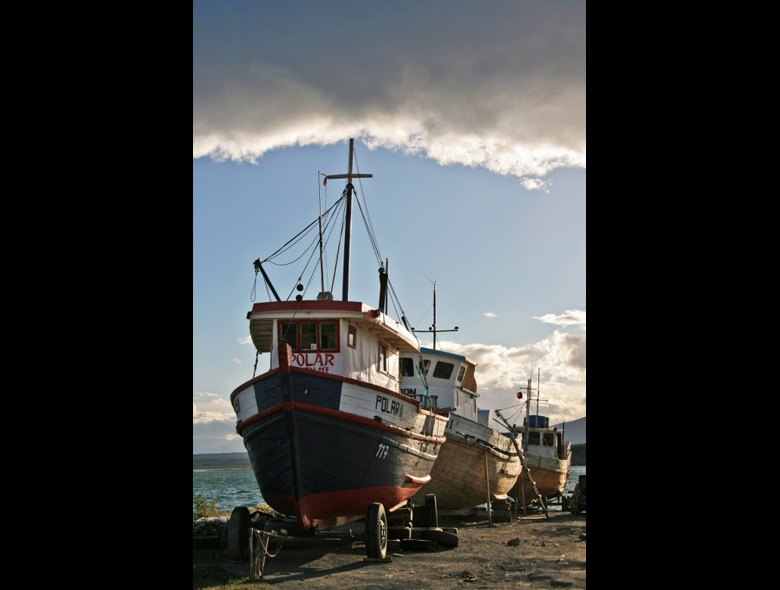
(348, 229)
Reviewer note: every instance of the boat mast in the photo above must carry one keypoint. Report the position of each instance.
(348, 229)
(322, 269)
(433, 327)
(538, 391)
(527, 415)
(434, 324)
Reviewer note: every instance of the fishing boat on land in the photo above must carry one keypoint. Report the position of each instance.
(330, 436)
(478, 464)
(547, 455)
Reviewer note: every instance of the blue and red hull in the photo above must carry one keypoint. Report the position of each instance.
(323, 449)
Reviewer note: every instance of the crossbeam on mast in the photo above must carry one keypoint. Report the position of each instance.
(348, 232)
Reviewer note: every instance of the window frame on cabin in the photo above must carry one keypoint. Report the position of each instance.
(443, 373)
(383, 361)
(352, 336)
(383, 349)
(296, 338)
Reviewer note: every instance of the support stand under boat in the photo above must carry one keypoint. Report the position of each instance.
(426, 533)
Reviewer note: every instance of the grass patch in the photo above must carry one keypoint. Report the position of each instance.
(208, 571)
(209, 574)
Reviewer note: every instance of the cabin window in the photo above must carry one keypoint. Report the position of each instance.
(352, 337)
(533, 438)
(407, 367)
(549, 439)
(383, 357)
(328, 336)
(289, 332)
(443, 370)
(307, 336)
(461, 373)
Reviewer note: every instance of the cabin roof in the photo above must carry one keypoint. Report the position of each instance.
(459, 357)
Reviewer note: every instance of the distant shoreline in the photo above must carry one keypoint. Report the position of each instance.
(222, 469)
(240, 461)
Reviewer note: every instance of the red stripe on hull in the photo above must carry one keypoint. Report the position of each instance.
(342, 507)
(379, 388)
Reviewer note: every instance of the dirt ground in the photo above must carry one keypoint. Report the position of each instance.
(529, 552)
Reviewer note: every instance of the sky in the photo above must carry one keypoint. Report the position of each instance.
(470, 115)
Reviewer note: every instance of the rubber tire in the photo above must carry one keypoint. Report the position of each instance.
(443, 538)
(238, 534)
(399, 532)
(431, 511)
(376, 531)
(418, 545)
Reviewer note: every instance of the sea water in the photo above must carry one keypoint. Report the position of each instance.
(238, 487)
(227, 487)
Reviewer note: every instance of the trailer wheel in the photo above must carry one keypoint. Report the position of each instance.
(376, 531)
(238, 534)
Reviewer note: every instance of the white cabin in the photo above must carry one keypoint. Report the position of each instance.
(344, 338)
(450, 378)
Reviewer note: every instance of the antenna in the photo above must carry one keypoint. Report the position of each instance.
(433, 327)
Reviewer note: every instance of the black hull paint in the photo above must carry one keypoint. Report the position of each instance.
(324, 466)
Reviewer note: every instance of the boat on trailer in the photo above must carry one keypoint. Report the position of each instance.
(330, 436)
(478, 464)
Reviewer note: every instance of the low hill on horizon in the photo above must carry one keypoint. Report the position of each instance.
(573, 431)
(221, 461)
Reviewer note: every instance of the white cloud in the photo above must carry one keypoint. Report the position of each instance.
(502, 372)
(214, 425)
(490, 314)
(502, 89)
(211, 406)
(568, 318)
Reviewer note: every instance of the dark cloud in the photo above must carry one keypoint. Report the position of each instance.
(498, 84)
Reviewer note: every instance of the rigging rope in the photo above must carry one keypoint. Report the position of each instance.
(254, 286)
(426, 402)
(327, 222)
(299, 235)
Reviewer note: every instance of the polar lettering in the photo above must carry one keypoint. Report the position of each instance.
(389, 406)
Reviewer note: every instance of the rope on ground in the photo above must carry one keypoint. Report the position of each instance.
(257, 558)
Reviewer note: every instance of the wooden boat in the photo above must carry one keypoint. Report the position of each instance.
(478, 464)
(329, 434)
(547, 456)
